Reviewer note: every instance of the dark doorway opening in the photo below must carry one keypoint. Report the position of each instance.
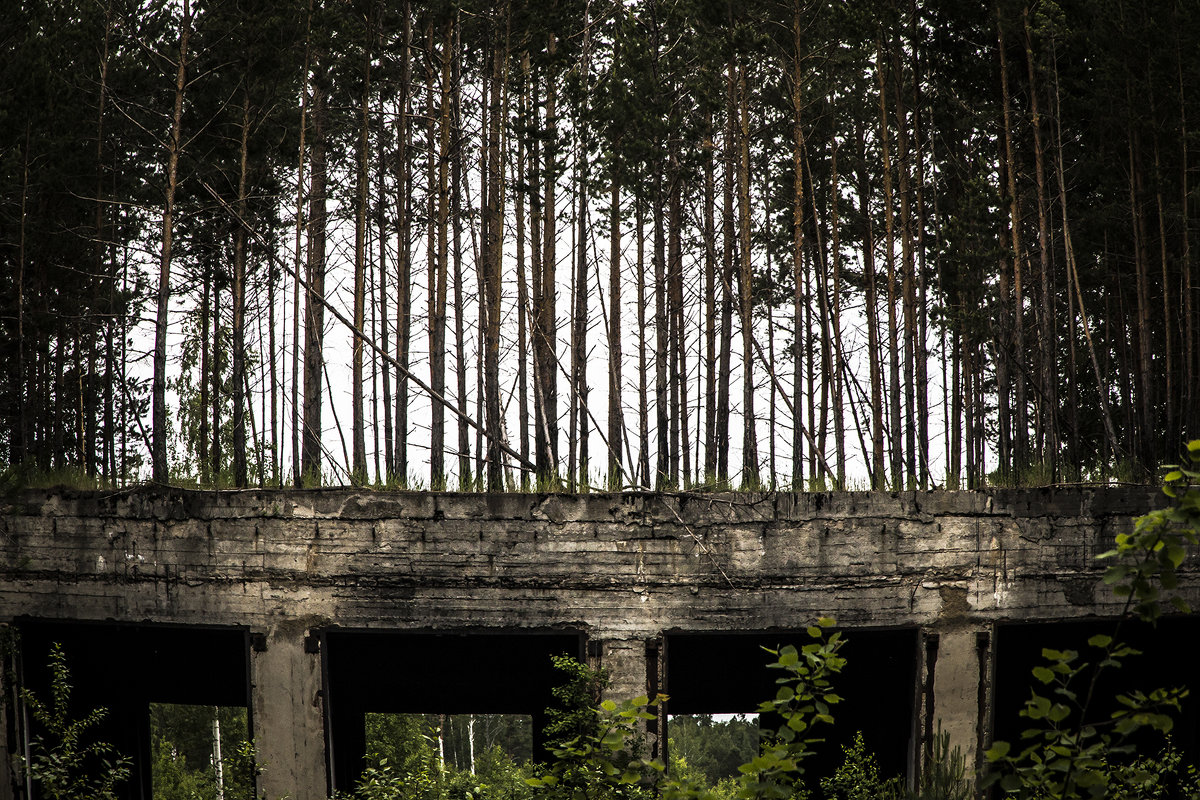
(396, 672)
(725, 673)
(1170, 652)
(124, 668)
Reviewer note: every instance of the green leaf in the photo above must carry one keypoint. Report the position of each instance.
(1100, 640)
(998, 751)
(1043, 674)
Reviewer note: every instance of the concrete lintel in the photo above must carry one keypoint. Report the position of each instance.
(289, 727)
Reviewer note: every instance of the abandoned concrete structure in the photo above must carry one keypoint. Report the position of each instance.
(313, 607)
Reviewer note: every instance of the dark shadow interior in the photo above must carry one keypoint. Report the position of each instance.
(1169, 659)
(438, 673)
(727, 673)
(125, 667)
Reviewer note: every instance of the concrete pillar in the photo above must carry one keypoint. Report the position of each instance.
(289, 724)
(960, 691)
(634, 670)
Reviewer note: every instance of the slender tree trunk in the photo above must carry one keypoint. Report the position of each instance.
(523, 321)
(439, 270)
(879, 471)
(241, 400)
(404, 202)
(728, 275)
(798, 304)
(616, 425)
(1145, 382)
(839, 382)
(895, 426)
(681, 462)
(643, 368)
(218, 461)
(174, 144)
(1049, 379)
(300, 158)
(204, 465)
(750, 477)
(908, 273)
(1020, 399)
(389, 442)
(358, 472)
(494, 263)
(547, 337)
(710, 307)
(466, 478)
(314, 313)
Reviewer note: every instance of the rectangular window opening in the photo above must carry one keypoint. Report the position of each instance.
(200, 752)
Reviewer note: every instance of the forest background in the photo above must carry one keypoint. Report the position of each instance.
(665, 243)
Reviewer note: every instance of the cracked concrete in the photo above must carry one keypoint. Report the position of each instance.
(622, 569)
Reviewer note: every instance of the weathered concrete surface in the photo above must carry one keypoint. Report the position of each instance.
(622, 568)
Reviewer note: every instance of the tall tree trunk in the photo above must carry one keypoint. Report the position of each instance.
(358, 471)
(643, 469)
(174, 144)
(466, 478)
(300, 159)
(710, 307)
(404, 193)
(439, 270)
(908, 271)
(1049, 379)
(798, 304)
(895, 426)
(750, 477)
(728, 275)
(547, 333)
(314, 307)
(494, 228)
(681, 462)
(1020, 398)
(839, 381)
(616, 425)
(523, 321)
(204, 465)
(241, 400)
(879, 470)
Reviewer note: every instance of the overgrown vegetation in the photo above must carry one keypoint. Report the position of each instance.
(66, 761)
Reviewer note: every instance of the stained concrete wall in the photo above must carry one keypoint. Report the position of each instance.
(623, 569)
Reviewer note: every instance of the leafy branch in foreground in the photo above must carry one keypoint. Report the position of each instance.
(802, 703)
(62, 761)
(1070, 754)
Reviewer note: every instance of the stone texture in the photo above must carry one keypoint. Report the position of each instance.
(621, 568)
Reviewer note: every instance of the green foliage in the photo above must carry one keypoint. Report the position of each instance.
(1067, 753)
(858, 777)
(403, 764)
(62, 760)
(574, 713)
(803, 703)
(712, 749)
(595, 750)
(183, 757)
(945, 773)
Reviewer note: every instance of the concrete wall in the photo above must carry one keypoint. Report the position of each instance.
(623, 569)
